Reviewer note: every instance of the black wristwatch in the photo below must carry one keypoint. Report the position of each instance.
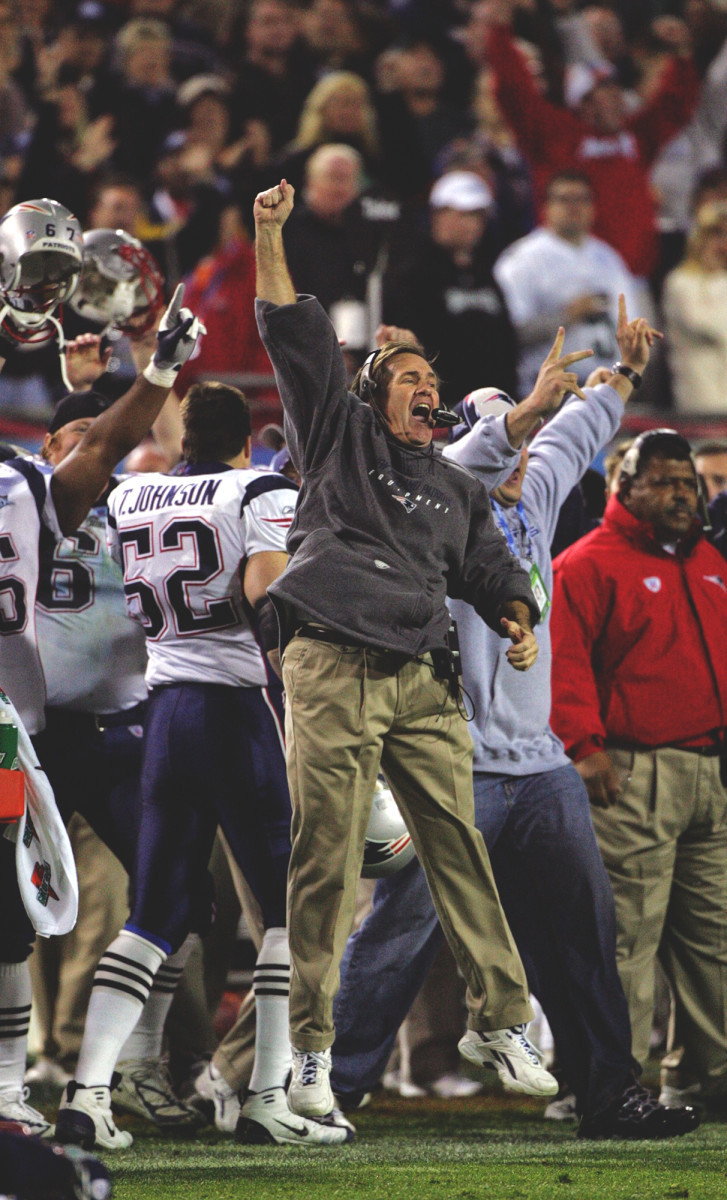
(633, 376)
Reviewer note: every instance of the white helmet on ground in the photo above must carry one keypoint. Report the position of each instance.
(41, 255)
(121, 284)
(388, 845)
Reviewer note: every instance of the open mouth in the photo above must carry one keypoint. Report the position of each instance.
(421, 412)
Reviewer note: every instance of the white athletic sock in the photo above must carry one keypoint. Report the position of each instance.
(14, 1022)
(271, 985)
(121, 988)
(146, 1039)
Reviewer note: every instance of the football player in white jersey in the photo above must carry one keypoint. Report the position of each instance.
(38, 267)
(198, 552)
(94, 659)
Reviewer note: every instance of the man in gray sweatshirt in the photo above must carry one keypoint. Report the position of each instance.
(530, 802)
(385, 529)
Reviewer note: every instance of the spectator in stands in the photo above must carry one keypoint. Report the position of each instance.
(337, 109)
(639, 605)
(274, 75)
(596, 134)
(338, 238)
(142, 97)
(560, 274)
(223, 288)
(419, 76)
(695, 316)
(447, 294)
(491, 150)
(710, 459)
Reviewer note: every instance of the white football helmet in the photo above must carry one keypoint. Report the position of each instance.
(388, 845)
(41, 255)
(120, 284)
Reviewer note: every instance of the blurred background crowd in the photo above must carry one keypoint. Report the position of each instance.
(478, 172)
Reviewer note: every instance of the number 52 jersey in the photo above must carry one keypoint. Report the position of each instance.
(183, 542)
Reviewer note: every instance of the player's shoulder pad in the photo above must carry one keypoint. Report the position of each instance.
(262, 482)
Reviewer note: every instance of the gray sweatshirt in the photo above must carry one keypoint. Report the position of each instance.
(382, 533)
(511, 731)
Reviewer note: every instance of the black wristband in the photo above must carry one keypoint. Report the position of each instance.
(267, 624)
(633, 376)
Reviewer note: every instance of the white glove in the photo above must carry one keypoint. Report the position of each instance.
(179, 331)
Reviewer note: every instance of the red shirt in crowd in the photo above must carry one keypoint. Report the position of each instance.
(556, 139)
(639, 638)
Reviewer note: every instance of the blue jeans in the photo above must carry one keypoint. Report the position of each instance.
(557, 898)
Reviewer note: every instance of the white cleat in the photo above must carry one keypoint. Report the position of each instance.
(265, 1118)
(215, 1099)
(142, 1087)
(85, 1119)
(562, 1110)
(14, 1107)
(513, 1056)
(309, 1093)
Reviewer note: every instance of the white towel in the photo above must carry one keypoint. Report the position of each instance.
(43, 856)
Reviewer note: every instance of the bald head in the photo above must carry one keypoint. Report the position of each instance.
(333, 180)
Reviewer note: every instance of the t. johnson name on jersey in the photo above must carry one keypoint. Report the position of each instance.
(153, 497)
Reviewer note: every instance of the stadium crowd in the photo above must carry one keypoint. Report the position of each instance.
(496, 220)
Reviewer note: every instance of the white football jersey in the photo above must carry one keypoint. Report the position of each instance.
(182, 542)
(25, 503)
(93, 655)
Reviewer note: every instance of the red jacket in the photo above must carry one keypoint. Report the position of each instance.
(221, 291)
(555, 139)
(639, 639)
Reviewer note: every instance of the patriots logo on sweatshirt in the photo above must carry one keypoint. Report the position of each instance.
(653, 583)
(406, 503)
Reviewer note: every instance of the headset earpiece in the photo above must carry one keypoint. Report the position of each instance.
(366, 383)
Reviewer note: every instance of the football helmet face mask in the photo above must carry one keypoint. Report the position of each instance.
(120, 284)
(41, 255)
(388, 846)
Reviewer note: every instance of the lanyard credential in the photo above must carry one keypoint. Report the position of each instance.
(536, 579)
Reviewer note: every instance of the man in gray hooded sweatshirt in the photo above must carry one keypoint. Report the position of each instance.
(385, 529)
(530, 802)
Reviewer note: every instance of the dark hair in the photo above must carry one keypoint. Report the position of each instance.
(75, 407)
(216, 422)
(568, 177)
(379, 371)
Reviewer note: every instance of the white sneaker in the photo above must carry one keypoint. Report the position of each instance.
(515, 1059)
(673, 1097)
(454, 1087)
(215, 1099)
(309, 1094)
(265, 1118)
(561, 1110)
(142, 1087)
(47, 1073)
(85, 1119)
(14, 1107)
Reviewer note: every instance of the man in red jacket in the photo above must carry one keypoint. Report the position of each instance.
(639, 630)
(599, 137)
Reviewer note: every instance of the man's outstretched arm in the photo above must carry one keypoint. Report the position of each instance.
(271, 211)
(80, 478)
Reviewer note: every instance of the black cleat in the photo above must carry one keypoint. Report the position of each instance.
(637, 1114)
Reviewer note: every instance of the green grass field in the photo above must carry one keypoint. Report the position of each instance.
(490, 1146)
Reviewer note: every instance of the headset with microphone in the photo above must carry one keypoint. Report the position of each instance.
(367, 388)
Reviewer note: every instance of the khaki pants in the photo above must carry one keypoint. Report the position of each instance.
(665, 848)
(349, 713)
